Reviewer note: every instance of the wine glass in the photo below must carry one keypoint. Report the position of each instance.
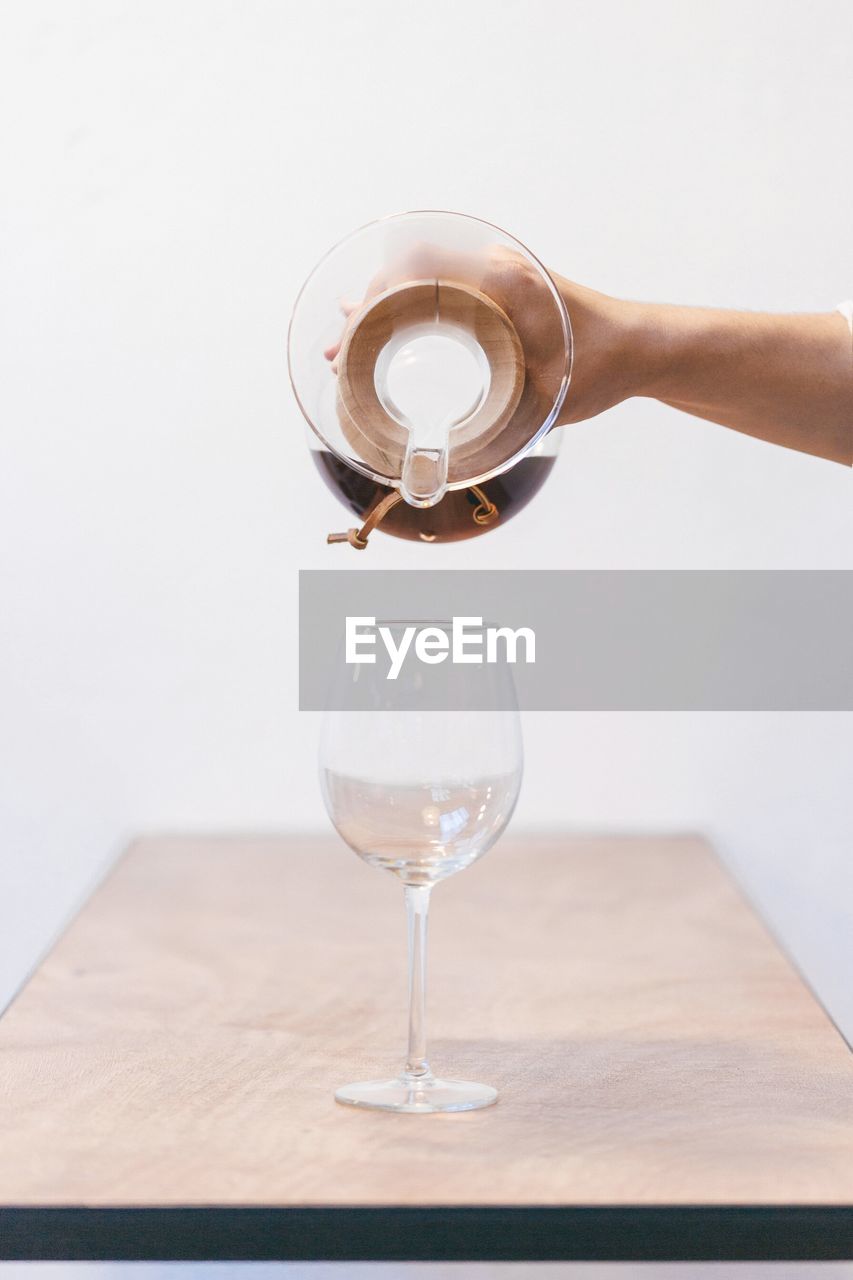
(421, 793)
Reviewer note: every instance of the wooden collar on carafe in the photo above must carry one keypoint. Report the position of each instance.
(371, 430)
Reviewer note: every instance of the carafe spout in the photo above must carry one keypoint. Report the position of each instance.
(423, 481)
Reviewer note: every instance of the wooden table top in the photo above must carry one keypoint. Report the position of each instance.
(669, 1087)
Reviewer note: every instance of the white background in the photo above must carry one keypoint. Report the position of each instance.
(169, 173)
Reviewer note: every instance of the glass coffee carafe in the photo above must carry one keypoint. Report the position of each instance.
(430, 354)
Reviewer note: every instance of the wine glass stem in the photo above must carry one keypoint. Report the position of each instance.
(417, 908)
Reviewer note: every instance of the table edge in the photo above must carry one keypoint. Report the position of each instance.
(458, 1233)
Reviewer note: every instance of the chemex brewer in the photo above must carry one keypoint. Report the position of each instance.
(430, 354)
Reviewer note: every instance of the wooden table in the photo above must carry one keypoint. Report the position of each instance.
(669, 1087)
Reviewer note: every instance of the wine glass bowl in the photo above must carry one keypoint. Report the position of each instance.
(423, 827)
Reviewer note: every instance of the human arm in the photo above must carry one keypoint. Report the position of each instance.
(787, 379)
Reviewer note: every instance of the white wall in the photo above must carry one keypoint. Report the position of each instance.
(169, 174)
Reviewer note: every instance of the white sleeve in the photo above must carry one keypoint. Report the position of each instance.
(846, 309)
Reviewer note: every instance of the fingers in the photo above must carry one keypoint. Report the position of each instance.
(501, 272)
(348, 310)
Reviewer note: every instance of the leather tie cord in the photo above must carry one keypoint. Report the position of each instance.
(483, 513)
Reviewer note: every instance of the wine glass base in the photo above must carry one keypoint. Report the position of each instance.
(419, 1095)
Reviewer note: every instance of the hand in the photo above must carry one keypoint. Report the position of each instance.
(600, 367)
